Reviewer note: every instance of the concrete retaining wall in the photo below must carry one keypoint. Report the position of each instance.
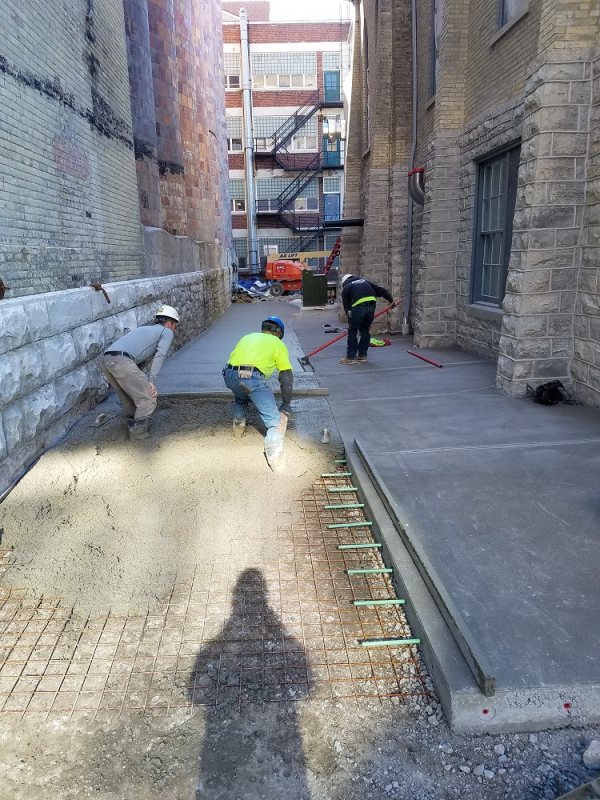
(49, 345)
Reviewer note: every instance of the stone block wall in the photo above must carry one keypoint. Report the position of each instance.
(537, 331)
(49, 345)
(478, 328)
(585, 367)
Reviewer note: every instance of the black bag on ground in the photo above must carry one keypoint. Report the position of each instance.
(551, 393)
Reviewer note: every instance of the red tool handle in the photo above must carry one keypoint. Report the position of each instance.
(341, 336)
(424, 358)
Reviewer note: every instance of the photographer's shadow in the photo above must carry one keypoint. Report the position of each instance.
(248, 677)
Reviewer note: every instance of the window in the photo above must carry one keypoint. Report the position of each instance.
(233, 126)
(237, 193)
(304, 143)
(306, 204)
(284, 70)
(331, 60)
(437, 14)
(305, 137)
(270, 206)
(495, 206)
(231, 67)
(509, 9)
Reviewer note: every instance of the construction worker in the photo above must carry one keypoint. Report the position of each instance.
(359, 298)
(119, 363)
(254, 359)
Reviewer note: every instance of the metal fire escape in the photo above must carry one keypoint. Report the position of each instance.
(307, 168)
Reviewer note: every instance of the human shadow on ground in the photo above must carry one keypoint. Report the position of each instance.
(248, 677)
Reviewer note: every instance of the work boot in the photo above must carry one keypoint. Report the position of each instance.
(138, 428)
(275, 455)
(239, 428)
(347, 361)
(361, 359)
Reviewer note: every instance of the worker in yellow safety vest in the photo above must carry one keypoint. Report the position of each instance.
(254, 359)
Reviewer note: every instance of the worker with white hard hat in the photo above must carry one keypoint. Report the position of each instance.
(359, 298)
(120, 361)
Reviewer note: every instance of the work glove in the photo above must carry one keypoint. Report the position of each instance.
(392, 303)
(285, 408)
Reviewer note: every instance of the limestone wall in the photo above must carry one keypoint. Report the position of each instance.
(49, 345)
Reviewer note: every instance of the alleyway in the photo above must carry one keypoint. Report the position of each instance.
(178, 622)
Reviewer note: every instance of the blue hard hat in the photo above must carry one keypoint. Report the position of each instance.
(275, 321)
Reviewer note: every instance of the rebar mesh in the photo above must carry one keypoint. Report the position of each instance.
(237, 630)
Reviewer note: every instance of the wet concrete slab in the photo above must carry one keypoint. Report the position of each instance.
(501, 496)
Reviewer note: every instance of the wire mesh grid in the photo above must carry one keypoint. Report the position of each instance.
(237, 630)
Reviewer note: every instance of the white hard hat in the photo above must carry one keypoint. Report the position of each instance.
(346, 278)
(167, 311)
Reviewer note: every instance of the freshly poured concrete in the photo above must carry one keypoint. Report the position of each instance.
(502, 496)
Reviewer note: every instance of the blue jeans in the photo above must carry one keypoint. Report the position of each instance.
(254, 389)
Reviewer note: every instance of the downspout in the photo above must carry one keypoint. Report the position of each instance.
(248, 145)
(411, 164)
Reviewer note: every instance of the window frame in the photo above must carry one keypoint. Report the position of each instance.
(504, 19)
(231, 148)
(511, 154)
(235, 210)
(228, 85)
(283, 81)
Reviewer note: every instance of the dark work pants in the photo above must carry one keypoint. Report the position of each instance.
(360, 319)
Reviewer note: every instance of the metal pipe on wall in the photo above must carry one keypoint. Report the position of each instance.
(248, 145)
(411, 164)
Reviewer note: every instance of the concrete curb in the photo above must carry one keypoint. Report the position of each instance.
(226, 395)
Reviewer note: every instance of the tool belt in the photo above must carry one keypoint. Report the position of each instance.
(244, 370)
(119, 353)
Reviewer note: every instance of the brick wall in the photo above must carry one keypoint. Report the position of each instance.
(496, 70)
(68, 196)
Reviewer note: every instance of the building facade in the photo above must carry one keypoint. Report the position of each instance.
(499, 105)
(298, 71)
(113, 171)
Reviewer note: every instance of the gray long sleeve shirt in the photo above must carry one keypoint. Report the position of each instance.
(142, 343)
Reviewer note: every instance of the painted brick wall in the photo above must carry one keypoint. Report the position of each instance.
(68, 196)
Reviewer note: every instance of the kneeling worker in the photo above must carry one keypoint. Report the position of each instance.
(119, 363)
(255, 358)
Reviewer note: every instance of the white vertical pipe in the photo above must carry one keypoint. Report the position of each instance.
(253, 262)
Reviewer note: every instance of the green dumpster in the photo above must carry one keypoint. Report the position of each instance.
(314, 289)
